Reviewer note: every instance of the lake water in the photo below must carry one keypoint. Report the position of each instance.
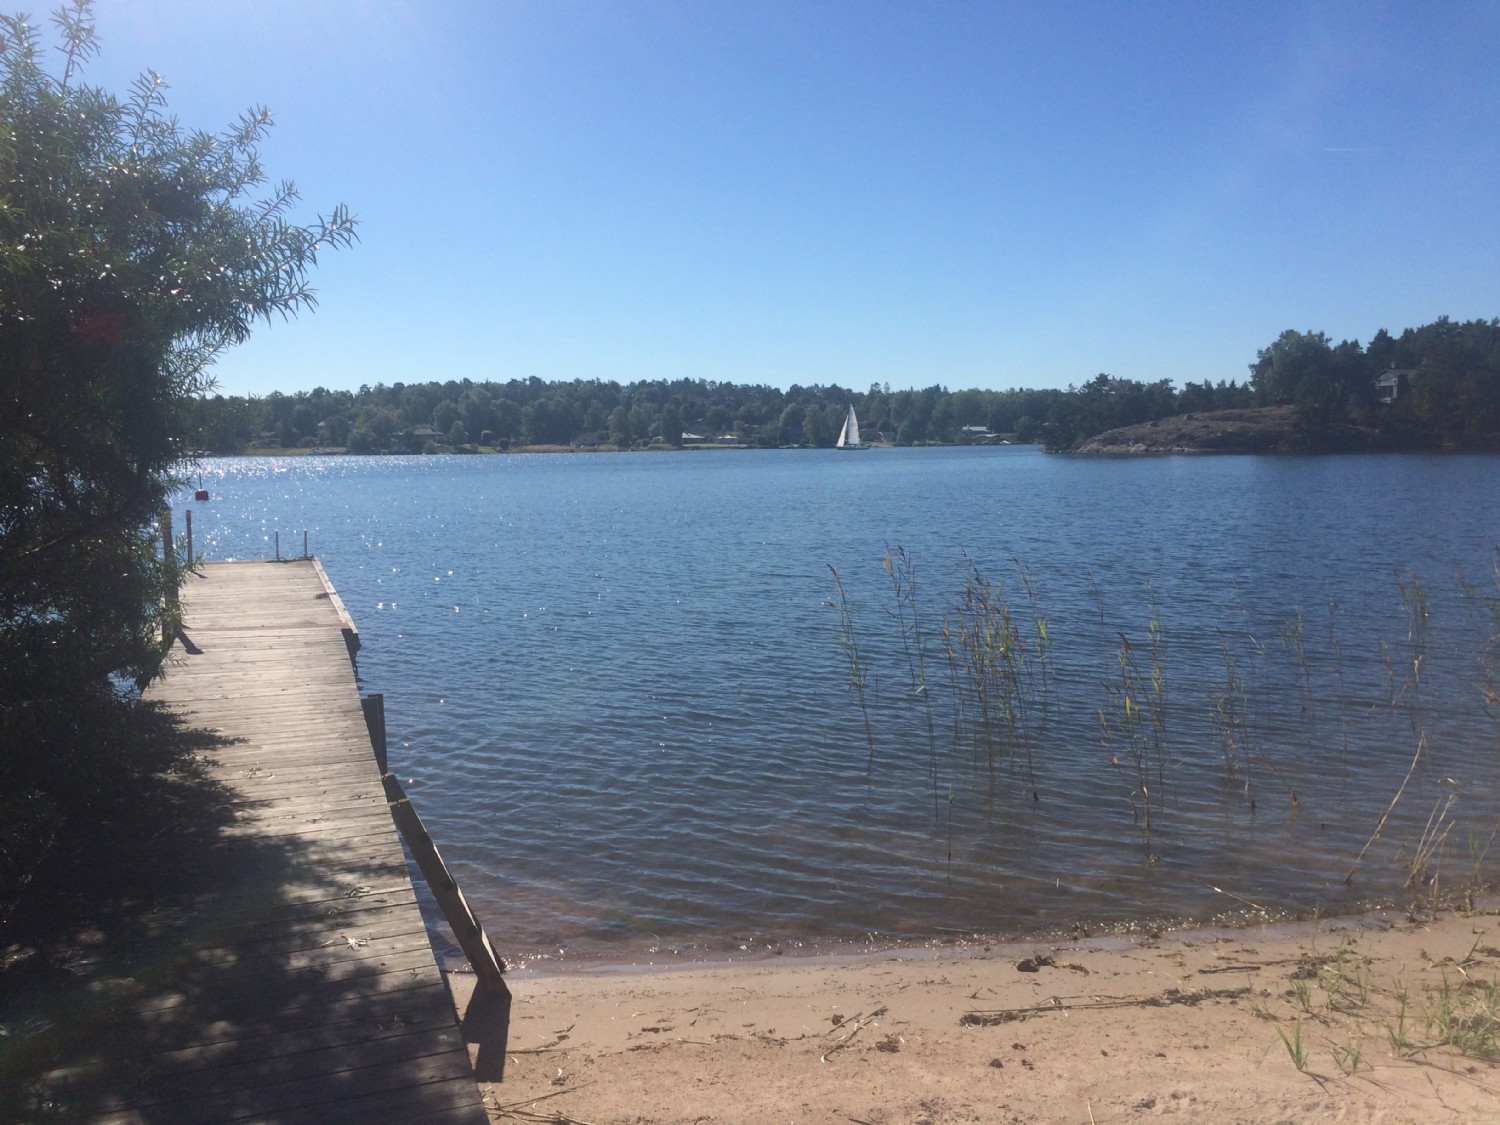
(620, 686)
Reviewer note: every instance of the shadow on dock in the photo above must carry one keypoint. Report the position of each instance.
(157, 971)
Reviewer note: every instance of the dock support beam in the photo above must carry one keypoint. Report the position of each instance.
(466, 928)
(373, 706)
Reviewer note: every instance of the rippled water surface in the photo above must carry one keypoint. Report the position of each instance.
(621, 689)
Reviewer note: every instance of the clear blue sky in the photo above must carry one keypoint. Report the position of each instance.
(973, 194)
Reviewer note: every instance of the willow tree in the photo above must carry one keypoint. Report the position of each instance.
(133, 251)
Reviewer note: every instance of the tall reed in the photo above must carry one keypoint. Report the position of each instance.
(1337, 648)
(1122, 724)
(956, 698)
(1294, 640)
(1157, 700)
(1258, 711)
(1007, 696)
(1472, 599)
(1411, 770)
(850, 645)
(1095, 595)
(1133, 722)
(1041, 636)
(1488, 655)
(902, 570)
(1229, 717)
(987, 646)
(1418, 616)
(1423, 869)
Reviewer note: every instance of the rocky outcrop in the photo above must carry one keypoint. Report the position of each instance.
(1270, 429)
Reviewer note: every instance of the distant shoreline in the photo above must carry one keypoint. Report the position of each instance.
(528, 450)
(1271, 430)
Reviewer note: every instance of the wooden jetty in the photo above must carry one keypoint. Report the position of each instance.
(302, 986)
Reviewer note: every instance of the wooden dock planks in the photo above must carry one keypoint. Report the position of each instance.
(303, 988)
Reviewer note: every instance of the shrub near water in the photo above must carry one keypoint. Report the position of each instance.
(132, 252)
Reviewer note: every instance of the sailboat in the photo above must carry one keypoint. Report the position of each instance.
(849, 435)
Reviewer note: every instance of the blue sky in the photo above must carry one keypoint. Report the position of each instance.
(973, 194)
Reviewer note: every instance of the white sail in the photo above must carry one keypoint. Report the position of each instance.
(849, 435)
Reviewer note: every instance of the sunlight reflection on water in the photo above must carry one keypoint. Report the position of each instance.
(617, 685)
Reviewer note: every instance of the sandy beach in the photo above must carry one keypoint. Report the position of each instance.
(1384, 1017)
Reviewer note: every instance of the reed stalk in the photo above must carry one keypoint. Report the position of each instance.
(1489, 640)
(955, 686)
(899, 567)
(1229, 716)
(1336, 646)
(978, 657)
(997, 667)
(1294, 640)
(1255, 695)
(1386, 815)
(1254, 749)
(1042, 638)
(850, 645)
(950, 830)
(1418, 617)
(1488, 636)
(1094, 594)
(1423, 869)
(1003, 683)
(1157, 701)
(1121, 723)
(902, 570)
(1258, 703)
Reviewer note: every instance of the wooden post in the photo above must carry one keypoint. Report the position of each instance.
(374, 709)
(278, 546)
(169, 562)
(466, 928)
(304, 543)
(188, 516)
(168, 550)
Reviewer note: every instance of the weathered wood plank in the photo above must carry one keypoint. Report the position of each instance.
(466, 928)
(304, 988)
(328, 998)
(251, 1067)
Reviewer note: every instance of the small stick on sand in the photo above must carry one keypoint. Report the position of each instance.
(512, 1106)
(860, 1023)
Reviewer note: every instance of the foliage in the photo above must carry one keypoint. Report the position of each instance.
(1451, 398)
(131, 253)
(1448, 392)
(533, 412)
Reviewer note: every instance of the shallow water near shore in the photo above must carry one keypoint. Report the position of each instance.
(620, 690)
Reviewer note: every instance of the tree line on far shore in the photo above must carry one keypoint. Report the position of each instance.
(1443, 392)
